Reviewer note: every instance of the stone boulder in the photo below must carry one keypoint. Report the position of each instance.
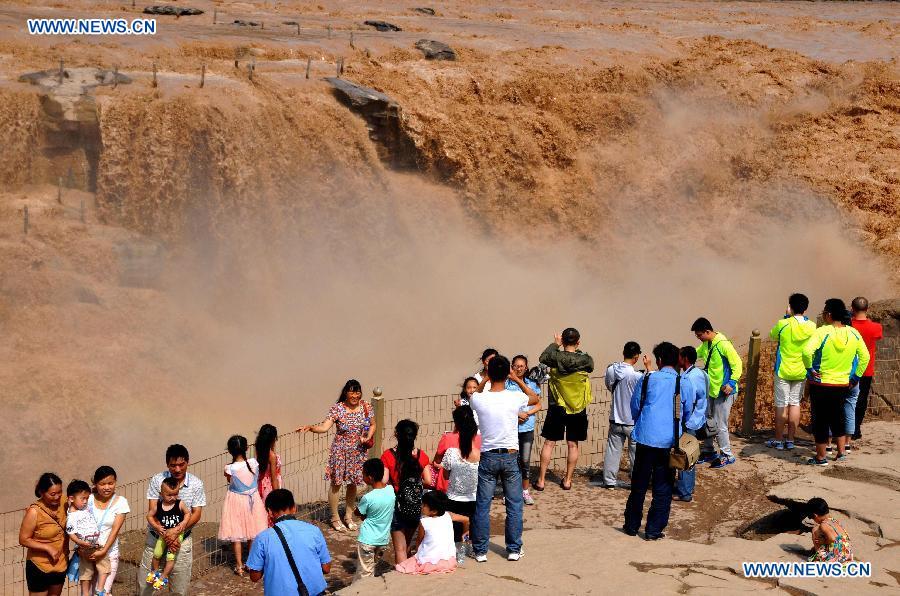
(425, 10)
(178, 11)
(382, 25)
(435, 50)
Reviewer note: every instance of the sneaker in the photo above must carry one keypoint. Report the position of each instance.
(848, 448)
(705, 458)
(526, 496)
(779, 447)
(481, 558)
(515, 556)
(659, 536)
(813, 461)
(773, 443)
(725, 460)
(682, 499)
(840, 457)
(789, 445)
(629, 532)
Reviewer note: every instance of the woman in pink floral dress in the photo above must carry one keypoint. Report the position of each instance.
(355, 423)
(269, 461)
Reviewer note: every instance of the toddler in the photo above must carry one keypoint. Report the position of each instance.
(437, 552)
(170, 512)
(376, 508)
(83, 530)
(830, 540)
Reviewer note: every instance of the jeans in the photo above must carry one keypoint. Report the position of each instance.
(850, 409)
(717, 412)
(613, 455)
(684, 486)
(526, 442)
(865, 385)
(505, 468)
(651, 466)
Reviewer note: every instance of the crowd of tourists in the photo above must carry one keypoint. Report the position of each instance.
(434, 513)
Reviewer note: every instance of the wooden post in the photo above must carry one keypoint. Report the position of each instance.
(62, 71)
(351, 40)
(81, 211)
(202, 74)
(298, 28)
(308, 64)
(154, 75)
(378, 407)
(251, 67)
(25, 219)
(70, 179)
(329, 31)
(752, 382)
(115, 76)
(215, 14)
(340, 67)
(59, 191)
(133, 2)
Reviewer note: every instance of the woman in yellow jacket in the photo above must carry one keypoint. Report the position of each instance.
(835, 357)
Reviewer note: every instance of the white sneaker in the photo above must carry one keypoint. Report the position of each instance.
(526, 497)
(515, 556)
(482, 558)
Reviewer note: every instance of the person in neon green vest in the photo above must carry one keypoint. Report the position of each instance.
(570, 394)
(723, 366)
(791, 333)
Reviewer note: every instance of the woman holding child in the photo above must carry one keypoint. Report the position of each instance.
(355, 423)
(110, 510)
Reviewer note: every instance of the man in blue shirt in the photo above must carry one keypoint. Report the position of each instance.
(526, 423)
(268, 558)
(684, 487)
(655, 433)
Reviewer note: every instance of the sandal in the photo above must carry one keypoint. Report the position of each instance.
(337, 526)
(538, 488)
(239, 571)
(349, 523)
(563, 486)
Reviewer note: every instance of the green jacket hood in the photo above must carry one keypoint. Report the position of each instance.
(840, 338)
(801, 330)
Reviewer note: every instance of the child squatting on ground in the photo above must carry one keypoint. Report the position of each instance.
(170, 511)
(376, 508)
(437, 551)
(83, 530)
(830, 540)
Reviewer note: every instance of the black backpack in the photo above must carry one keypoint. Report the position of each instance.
(409, 500)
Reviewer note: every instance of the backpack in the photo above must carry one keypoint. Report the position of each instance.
(409, 500)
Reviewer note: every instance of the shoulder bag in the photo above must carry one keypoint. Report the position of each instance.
(686, 449)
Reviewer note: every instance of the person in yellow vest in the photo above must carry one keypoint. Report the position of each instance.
(570, 394)
(723, 367)
(835, 358)
(792, 332)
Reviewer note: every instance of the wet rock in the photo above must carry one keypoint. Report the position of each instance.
(290, 23)
(424, 10)
(178, 11)
(383, 117)
(436, 50)
(382, 25)
(241, 23)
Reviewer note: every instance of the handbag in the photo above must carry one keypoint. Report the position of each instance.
(368, 444)
(301, 587)
(686, 449)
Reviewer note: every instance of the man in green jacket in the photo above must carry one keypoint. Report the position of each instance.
(570, 394)
(723, 367)
(791, 333)
(835, 358)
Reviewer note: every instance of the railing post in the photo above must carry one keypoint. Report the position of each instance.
(752, 382)
(378, 406)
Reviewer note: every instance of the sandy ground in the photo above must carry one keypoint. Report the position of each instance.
(574, 545)
(237, 230)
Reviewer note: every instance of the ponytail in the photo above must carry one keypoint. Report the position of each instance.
(464, 419)
(408, 466)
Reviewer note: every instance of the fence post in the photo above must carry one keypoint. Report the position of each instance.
(308, 64)
(154, 74)
(25, 219)
(202, 75)
(378, 406)
(752, 381)
(59, 191)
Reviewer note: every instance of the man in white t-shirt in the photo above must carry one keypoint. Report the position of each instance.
(498, 416)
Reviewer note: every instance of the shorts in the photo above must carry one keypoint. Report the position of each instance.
(398, 524)
(827, 405)
(788, 393)
(368, 556)
(41, 581)
(558, 424)
(86, 567)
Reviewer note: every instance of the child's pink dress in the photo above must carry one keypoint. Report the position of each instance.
(243, 513)
(437, 553)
